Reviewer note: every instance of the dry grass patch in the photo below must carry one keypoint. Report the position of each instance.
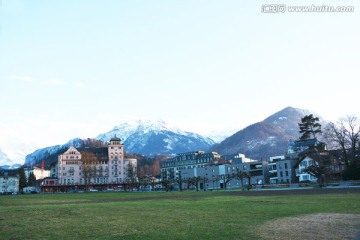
(314, 226)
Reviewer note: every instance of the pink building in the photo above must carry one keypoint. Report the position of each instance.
(108, 171)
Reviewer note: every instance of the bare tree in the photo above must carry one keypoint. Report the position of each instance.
(248, 175)
(335, 136)
(88, 161)
(227, 178)
(353, 132)
(241, 175)
(167, 184)
(216, 180)
(180, 182)
(205, 180)
(345, 135)
(131, 175)
(144, 181)
(196, 182)
(189, 182)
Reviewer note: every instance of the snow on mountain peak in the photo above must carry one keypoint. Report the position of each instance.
(14, 149)
(147, 126)
(125, 130)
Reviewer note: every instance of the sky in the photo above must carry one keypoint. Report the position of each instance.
(78, 68)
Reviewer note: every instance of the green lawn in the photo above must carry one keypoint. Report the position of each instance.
(185, 215)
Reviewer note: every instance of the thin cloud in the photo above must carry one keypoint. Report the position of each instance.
(54, 82)
(22, 78)
(79, 85)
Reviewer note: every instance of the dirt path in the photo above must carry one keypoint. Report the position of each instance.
(334, 226)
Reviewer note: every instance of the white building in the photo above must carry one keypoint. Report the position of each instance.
(9, 182)
(39, 173)
(300, 171)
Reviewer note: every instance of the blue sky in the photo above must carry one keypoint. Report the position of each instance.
(77, 68)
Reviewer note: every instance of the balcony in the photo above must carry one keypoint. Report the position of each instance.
(273, 175)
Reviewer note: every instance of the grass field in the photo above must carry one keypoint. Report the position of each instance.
(180, 215)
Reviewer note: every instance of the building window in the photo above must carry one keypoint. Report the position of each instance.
(287, 173)
(286, 166)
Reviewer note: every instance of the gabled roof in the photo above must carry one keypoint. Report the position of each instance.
(325, 155)
(71, 149)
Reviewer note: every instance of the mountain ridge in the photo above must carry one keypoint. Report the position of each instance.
(266, 138)
(258, 140)
(142, 137)
(151, 137)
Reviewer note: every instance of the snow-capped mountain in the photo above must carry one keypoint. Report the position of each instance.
(4, 159)
(141, 137)
(151, 137)
(123, 130)
(266, 138)
(13, 150)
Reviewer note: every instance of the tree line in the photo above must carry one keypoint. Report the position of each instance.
(194, 182)
(342, 136)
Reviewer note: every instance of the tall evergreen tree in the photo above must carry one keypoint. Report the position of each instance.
(22, 178)
(31, 179)
(309, 127)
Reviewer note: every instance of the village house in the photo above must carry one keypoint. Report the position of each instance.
(9, 181)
